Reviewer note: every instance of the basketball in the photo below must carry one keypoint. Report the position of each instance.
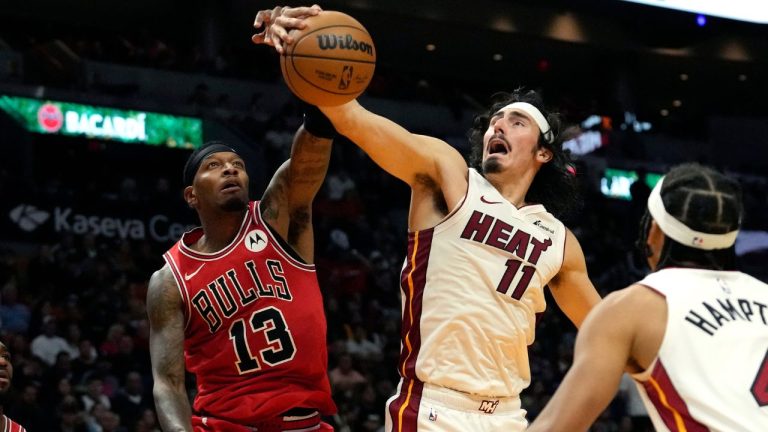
(331, 61)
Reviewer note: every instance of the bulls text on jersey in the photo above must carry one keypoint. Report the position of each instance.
(224, 288)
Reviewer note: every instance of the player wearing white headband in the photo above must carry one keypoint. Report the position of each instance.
(693, 334)
(482, 245)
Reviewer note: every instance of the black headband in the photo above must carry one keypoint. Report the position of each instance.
(193, 163)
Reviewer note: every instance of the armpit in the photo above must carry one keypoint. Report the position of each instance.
(429, 184)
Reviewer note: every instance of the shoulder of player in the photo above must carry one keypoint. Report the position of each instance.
(573, 255)
(628, 304)
(162, 289)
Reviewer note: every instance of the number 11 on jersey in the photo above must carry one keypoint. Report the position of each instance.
(513, 266)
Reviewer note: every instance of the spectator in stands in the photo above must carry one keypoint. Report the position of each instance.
(14, 316)
(47, 345)
(27, 410)
(94, 394)
(131, 401)
(344, 378)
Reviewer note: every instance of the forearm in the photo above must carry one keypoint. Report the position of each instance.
(388, 144)
(310, 156)
(173, 409)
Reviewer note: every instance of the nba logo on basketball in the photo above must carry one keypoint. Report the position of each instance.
(346, 77)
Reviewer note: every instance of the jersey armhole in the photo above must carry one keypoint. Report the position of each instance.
(281, 246)
(181, 286)
(446, 220)
(646, 374)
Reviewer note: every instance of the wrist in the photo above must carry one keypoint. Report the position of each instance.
(316, 123)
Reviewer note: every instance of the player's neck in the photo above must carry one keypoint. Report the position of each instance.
(219, 231)
(512, 187)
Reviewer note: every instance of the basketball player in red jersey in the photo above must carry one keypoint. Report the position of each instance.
(238, 301)
(6, 375)
(484, 241)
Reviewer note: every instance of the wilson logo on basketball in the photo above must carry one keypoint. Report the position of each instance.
(50, 118)
(345, 42)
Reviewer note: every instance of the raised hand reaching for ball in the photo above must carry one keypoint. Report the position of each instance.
(276, 24)
(327, 57)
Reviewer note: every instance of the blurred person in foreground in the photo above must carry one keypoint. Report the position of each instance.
(6, 375)
(693, 333)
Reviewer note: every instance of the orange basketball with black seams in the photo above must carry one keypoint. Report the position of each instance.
(331, 61)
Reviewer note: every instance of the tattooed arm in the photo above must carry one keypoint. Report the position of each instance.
(287, 202)
(166, 348)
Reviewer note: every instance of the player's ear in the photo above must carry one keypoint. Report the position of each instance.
(544, 155)
(190, 196)
(654, 242)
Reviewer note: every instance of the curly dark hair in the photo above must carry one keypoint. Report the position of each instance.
(705, 201)
(554, 185)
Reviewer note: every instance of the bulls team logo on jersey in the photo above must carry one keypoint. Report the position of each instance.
(256, 240)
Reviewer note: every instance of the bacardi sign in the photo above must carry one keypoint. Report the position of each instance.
(130, 126)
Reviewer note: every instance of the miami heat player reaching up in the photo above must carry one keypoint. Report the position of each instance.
(694, 332)
(483, 244)
(238, 301)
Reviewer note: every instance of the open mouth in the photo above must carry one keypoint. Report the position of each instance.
(230, 186)
(497, 146)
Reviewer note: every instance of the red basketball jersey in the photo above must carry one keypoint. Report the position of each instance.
(255, 327)
(12, 426)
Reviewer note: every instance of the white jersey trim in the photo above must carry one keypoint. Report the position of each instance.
(180, 285)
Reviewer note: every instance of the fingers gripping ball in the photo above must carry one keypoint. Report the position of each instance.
(331, 61)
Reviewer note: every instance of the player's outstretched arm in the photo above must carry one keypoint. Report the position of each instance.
(571, 288)
(166, 348)
(287, 201)
(603, 349)
(406, 156)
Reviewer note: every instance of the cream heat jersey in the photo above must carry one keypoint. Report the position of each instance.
(471, 289)
(711, 373)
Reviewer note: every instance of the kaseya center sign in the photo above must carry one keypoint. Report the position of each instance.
(130, 126)
(46, 222)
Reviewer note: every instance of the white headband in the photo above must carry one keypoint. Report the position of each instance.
(679, 232)
(537, 116)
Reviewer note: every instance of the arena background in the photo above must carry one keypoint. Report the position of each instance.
(87, 208)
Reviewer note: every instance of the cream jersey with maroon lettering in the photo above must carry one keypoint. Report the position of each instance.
(711, 372)
(471, 289)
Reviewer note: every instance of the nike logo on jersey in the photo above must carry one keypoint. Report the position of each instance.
(482, 198)
(188, 276)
